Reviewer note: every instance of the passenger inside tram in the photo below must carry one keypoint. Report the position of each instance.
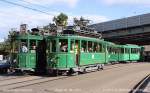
(24, 48)
(64, 47)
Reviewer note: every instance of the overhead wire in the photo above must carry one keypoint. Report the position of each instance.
(34, 4)
(33, 9)
(30, 8)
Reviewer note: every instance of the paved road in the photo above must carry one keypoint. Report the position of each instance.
(119, 78)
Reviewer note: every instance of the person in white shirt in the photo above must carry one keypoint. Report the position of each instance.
(24, 49)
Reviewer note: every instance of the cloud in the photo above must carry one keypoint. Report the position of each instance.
(9, 19)
(1, 40)
(71, 3)
(126, 2)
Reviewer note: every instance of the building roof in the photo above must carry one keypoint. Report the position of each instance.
(123, 23)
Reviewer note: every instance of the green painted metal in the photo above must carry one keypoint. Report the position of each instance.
(72, 59)
(113, 53)
(28, 60)
(135, 56)
(92, 58)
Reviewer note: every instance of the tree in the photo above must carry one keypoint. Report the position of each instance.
(61, 20)
(11, 40)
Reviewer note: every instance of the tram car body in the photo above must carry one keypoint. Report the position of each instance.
(30, 50)
(123, 53)
(70, 53)
(76, 53)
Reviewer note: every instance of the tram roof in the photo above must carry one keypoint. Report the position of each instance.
(29, 36)
(76, 37)
(131, 46)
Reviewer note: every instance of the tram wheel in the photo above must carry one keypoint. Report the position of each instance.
(55, 73)
(5, 70)
(98, 68)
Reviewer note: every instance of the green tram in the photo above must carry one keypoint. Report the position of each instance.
(123, 53)
(31, 52)
(70, 53)
(75, 53)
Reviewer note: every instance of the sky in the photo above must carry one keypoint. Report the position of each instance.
(11, 16)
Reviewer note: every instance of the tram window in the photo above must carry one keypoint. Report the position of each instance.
(122, 50)
(77, 46)
(96, 47)
(99, 47)
(110, 50)
(32, 44)
(138, 50)
(126, 50)
(115, 50)
(90, 49)
(24, 47)
(53, 46)
(103, 48)
(119, 50)
(63, 43)
(84, 46)
(72, 46)
(133, 50)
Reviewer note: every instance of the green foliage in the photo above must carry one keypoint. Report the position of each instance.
(8, 45)
(61, 19)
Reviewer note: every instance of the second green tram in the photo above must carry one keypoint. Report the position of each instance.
(75, 53)
(123, 53)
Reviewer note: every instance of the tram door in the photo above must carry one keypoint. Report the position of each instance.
(77, 51)
(41, 57)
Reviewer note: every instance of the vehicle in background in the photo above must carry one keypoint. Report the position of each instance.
(4, 66)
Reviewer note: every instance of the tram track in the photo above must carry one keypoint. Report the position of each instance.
(10, 78)
(43, 79)
(13, 76)
(31, 82)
